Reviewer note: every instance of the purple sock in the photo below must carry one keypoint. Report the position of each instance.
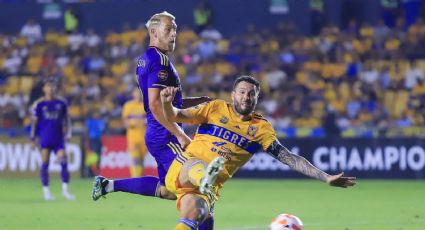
(44, 174)
(64, 172)
(145, 186)
(208, 224)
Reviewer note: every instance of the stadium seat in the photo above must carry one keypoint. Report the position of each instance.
(26, 83)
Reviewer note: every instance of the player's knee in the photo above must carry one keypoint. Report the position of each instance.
(202, 209)
(62, 157)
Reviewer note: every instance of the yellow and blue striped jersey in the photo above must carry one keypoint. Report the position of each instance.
(133, 111)
(222, 133)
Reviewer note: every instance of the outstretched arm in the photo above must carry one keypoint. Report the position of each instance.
(194, 101)
(300, 164)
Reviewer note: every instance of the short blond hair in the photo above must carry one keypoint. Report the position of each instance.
(155, 20)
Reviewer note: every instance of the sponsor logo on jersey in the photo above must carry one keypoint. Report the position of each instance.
(162, 75)
(141, 63)
(224, 120)
(252, 130)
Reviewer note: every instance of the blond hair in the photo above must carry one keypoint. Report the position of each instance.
(155, 20)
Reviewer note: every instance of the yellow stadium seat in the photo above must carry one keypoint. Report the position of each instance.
(75, 111)
(349, 133)
(181, 69)
(303, 132)
(26, 84)
(12, 85)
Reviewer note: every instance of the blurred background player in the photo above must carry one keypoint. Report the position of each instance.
(228, 136)
(52, 126)
(134, 118)
(95, 125)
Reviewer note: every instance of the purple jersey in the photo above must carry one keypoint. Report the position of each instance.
(154, 67)
(51, 117)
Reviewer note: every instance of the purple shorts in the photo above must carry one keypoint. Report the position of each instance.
(164, 155)
(53, 146)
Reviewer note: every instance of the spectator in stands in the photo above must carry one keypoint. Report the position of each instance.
(32, 32)
(390, 11)
(71, 20)
(317, 15)
(330, 124)
(202, 16)
(413, 75)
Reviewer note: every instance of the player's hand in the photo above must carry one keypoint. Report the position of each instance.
(340, 180)
(184, 140)
(168, 93)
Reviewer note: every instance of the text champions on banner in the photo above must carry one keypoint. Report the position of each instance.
(367, 158)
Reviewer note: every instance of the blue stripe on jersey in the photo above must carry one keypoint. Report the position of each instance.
(230, 136)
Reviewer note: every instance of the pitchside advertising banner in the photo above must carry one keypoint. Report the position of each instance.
(115, 161)
(364, 158)
(18, 159)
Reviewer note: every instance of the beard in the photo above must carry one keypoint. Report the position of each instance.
(244, 111)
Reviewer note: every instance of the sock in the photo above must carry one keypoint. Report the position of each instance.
(186, 224)
(110, 186)
(64, 186)
(64, 172)
(196, 172)
(146, 186)
(136, 170)
(208, 224)
(44, 174)
(46, 189)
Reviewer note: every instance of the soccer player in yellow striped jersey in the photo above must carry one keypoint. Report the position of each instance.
(134, 118)
(227, 137)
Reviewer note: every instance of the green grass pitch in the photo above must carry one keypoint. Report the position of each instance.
(244, 205)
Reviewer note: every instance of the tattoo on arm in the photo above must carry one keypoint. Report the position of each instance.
(295, 162)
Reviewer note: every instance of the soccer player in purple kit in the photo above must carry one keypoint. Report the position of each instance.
(51, 123)
(165, 140)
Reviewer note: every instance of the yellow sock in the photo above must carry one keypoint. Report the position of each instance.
(196, 172)
(181, 226)
(186, 224)
(136, 170)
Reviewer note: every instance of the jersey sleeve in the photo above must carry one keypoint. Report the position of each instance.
(158, 73)
(200, 112)
(267, 135)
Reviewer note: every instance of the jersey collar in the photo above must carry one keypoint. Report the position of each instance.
(158, 49)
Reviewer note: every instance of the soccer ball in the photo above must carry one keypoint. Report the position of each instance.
(286, 222)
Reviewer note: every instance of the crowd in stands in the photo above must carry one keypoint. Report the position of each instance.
(365, 77)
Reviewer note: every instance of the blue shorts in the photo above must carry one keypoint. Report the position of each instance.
(53, 146)
(164, 155)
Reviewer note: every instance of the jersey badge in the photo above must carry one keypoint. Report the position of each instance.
(252, 130)
(141, 63)
(224, 120)
(162, 75)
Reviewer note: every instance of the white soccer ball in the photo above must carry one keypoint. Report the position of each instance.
(286, 222)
